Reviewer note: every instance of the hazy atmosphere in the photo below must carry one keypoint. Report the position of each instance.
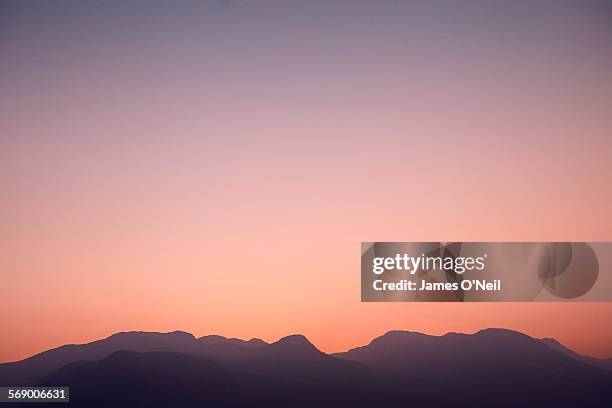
(213, 166)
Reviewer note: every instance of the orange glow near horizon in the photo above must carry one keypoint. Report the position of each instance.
(218, 178)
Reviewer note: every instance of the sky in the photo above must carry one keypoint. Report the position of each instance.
(213, 166)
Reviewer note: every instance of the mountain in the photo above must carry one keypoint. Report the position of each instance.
(477, 369)
(165, 379)
(297, 360)
(292, 358)
(289, 372)
(605, 363)
(216, 339)
(493, 367)
(33, 368)
(160, 379)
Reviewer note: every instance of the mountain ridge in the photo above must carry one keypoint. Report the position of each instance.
(178, 369)
(237, 353)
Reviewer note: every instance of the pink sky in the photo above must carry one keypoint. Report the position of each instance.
(215, 171)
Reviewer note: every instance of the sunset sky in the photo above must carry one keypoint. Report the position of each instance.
(213, 166)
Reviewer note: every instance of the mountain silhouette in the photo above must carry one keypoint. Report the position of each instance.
(477, 369)
(297, 360)
(292, 359)
(216, 339)
(31, 369)
(495, 367)
(605, 363)
(161, 379)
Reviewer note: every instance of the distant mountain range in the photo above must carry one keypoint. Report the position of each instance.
(493, 367)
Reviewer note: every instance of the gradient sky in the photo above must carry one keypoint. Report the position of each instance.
(213, 166)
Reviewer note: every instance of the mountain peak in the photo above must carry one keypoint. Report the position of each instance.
(135, 334)
(402, 333)
(211, 339)
(215, 339)
(398, 335)
(294, 339)
(501, 333)
(294, 342)
(257, 342)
